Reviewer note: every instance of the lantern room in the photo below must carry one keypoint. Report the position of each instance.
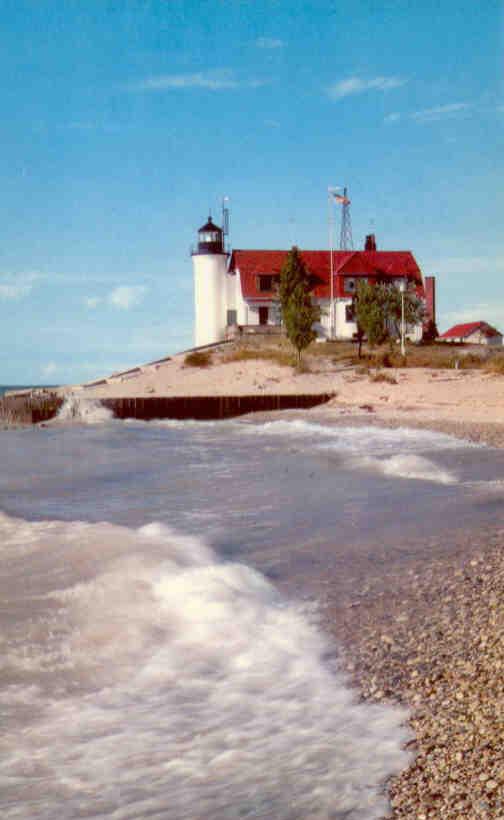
(210, 238)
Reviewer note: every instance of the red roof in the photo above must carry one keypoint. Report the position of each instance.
(462, 331)
(371, 264)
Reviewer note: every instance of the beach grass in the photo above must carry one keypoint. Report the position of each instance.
(198, 358)
(279, 355)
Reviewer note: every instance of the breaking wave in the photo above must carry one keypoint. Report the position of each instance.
(143, 677)
(78, 410)
(371, 439)
(409, 466)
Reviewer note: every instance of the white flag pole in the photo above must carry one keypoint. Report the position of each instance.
(330, 217)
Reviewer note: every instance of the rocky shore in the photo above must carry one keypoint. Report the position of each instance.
(433, 639)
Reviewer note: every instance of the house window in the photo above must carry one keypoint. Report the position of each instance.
(263, 315)
(349, 284)
(231, 318)
(350, 312)
(265, 283)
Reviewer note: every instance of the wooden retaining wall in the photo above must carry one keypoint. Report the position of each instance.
(34, 409)
(205, 408)
(29, 408)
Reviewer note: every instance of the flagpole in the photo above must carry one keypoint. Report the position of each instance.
(330, 216)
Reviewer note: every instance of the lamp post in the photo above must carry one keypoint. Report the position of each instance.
(402, 288)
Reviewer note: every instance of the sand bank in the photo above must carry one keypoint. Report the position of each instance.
(468, 403)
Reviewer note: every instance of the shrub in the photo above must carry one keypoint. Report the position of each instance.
(198, 358)
(379, 376)
(280, 357)
(496, 365)
(383, 359)
(302, 366)
(466, 361)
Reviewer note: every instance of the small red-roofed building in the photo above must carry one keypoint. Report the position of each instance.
(237, 292)
(474, 333)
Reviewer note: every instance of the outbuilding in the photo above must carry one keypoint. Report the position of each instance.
(474, 333)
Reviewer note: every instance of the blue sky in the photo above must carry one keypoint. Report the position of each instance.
(125, 122)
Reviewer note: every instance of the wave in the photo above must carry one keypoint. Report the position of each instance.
(78, 410)
(408, 466)
(347, 439)
(156, 680)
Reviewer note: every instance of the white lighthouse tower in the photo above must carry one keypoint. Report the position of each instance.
(209, 267)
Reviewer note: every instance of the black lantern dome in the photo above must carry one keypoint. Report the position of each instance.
(210, 238)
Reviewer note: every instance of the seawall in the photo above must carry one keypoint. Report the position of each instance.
(34, 409)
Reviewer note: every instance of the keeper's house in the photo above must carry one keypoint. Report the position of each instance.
(237, 292)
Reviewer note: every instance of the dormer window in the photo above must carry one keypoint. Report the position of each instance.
(265, 283)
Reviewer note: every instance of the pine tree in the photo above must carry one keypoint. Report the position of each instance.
(298, 312)
(370, 312)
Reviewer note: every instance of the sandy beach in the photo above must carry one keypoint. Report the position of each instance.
(467, 403)
(432, 638)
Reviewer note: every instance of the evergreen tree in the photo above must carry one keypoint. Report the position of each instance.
(298, 312)
(370, 313)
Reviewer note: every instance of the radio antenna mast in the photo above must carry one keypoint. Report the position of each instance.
(346, 241)
(225, 217)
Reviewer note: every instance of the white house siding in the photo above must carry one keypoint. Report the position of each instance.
(241, 305)
(344, 329)
(414, 334)
(230, 292)
(479, 338)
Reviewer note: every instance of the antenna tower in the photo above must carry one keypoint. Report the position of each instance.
(225, 218)
(346, 241)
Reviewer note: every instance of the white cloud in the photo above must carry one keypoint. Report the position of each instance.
(16, 286)
(92, 302)
(127, 296)
(269, 42)
(49, 369)
(394, 117)
(211, 80)
(11, 292)
(438, 112)
(357, 85)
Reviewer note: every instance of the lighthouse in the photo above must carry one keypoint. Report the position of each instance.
(209, 269)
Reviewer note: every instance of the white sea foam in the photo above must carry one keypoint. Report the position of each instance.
(409, 466)
(369, 439)
(78, 410)
(158, 681)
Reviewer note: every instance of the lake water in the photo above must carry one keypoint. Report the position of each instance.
(162, 655)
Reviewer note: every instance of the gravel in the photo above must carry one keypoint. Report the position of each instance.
(431, 637)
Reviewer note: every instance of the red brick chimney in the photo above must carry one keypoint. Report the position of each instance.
(370, 244)
(430, 299)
